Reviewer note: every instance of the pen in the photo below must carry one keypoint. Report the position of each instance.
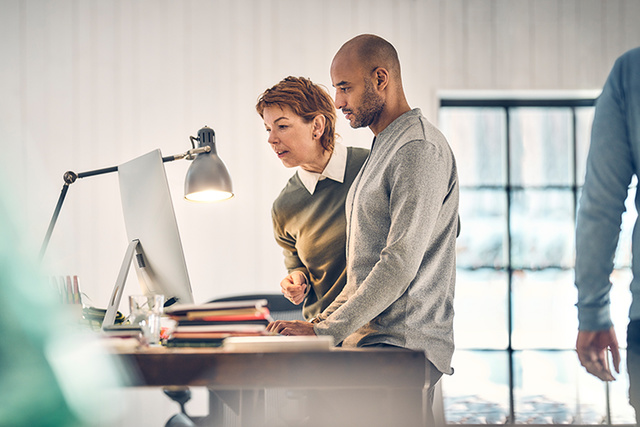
(56, 287)
(62, 287)
(76, 291)
(69, 291)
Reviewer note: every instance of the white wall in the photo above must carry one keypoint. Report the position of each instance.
(88, 84)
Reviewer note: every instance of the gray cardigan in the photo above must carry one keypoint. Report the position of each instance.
(402, 222)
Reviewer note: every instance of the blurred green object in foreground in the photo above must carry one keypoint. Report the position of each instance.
(54, 373)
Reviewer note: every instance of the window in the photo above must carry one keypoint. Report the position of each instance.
(521, 164)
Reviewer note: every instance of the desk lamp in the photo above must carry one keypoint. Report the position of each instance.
(207, 178)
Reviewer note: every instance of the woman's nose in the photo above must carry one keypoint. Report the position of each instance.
(272, 138)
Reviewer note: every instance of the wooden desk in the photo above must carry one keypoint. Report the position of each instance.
(346, 387)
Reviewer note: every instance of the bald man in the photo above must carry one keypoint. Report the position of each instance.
(402, 219)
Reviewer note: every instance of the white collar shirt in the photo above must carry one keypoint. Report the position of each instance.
(334, 170)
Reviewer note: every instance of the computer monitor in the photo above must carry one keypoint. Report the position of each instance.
(153, 234)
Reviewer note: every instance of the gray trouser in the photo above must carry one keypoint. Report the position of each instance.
(633, 364)
(433, 375)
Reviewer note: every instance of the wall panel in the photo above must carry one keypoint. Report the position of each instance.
(513, 44)
(590, 32)
(569, 44)
(427, 55)
(545, 69)
(91, 84)
(631, 30)
(453, 52)
(479, 39)
(12, 90)
(95, 83)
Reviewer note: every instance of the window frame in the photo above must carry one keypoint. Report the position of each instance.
(509, 100)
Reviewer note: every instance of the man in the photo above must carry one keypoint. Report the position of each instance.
(614, 157)
(402, 219)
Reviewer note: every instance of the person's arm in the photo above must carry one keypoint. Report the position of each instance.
(295, 285)
(418, 181)
(336, 303)
(609, 171)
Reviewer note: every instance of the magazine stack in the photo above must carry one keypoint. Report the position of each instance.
(207, 325)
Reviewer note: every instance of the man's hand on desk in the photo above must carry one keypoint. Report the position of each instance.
(291, 327)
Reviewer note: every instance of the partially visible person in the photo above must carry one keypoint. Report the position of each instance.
(308, 216)
(52, 372)
(614, 157)
(402, 220)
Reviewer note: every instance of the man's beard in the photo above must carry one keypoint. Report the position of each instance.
(370, 110)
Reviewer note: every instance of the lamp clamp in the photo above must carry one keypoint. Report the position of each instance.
(70, 177)
(189, 154)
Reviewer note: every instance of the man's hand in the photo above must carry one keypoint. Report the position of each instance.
(291, 327)
(592, 349)
(294, 287)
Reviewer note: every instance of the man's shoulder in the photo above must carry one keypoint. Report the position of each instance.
(632, 55)
(626, 64)
(417, 128)
(411, 125)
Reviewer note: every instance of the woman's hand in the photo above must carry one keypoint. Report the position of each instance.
(294, 287)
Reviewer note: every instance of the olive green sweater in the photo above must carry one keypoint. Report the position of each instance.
(311, 228)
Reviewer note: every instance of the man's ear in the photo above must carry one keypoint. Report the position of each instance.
(381, 78)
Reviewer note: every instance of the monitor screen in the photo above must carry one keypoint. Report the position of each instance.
(149, 218)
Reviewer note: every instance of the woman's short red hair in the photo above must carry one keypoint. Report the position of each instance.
(307, 100)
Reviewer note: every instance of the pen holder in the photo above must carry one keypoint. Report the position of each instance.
(68, 291)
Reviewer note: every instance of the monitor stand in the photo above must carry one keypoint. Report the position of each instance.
(116, 296)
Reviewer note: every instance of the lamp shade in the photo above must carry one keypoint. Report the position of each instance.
(207, 179)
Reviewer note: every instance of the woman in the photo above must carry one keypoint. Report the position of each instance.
(308, 216)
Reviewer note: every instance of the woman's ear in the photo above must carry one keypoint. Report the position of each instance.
(319, 122)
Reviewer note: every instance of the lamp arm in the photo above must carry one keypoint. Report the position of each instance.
(70, 177)
(97, 172)
(189, 154)
(52, 223)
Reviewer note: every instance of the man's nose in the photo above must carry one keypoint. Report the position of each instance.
(339, 101)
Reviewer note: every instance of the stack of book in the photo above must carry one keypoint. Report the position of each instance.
(207, 325)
